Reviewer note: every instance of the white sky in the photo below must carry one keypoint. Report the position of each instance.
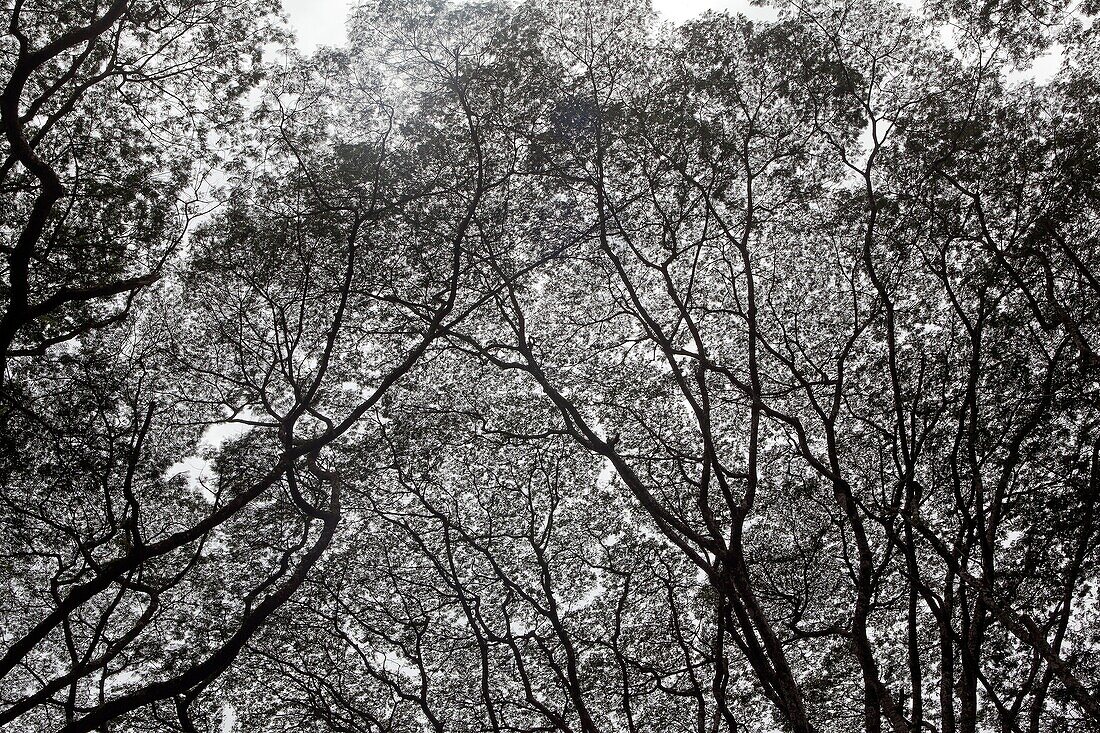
(321, 22)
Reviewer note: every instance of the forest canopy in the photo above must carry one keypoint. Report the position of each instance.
(550, 366)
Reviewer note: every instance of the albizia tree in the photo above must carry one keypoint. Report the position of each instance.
(551, 367)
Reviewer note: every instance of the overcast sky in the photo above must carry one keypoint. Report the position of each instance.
(321, 22)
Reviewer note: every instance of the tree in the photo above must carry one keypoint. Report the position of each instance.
(137, 588)
(545, 366)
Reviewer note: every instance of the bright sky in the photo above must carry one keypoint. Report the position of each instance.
(321, 22)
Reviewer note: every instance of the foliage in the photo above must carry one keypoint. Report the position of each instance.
(545, 366)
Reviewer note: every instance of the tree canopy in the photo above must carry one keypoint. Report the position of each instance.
(546, 365)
